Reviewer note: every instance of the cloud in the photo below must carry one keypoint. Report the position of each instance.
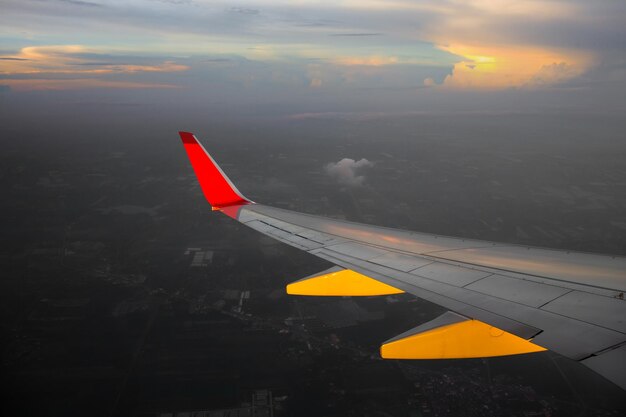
(345, 170)
(80, 3)
(485, 67)
(555, 73)
(76, 59)
(356, 35)
(176, 2)
(244, 11)
(360, 45)
(429, 82)
(370, 61)
(72, 67)
(77, 84)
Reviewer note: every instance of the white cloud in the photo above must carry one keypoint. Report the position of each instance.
(554, 74)
(429, 82)
(344, 171)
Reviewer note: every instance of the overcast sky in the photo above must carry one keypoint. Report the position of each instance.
(306, 58)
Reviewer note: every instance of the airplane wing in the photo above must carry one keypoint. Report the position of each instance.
(503, 299)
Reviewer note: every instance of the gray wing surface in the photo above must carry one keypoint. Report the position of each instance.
(571, 303)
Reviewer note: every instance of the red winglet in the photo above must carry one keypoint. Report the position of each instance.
(216, 186)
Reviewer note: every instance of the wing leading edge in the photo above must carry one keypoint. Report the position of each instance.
(503, 299)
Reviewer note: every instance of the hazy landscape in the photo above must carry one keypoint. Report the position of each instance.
(123, 294)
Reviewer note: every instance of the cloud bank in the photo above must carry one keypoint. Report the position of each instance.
(322, 56)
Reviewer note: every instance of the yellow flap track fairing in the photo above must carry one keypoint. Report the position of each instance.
(452, 336)
(340, 282)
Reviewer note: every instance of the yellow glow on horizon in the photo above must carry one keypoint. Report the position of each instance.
(498, 67)
(63, 59)
(481, 59)
(370, 61)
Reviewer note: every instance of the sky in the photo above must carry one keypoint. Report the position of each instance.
(306, 58)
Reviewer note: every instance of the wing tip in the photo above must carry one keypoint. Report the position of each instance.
(217, 188)
(187, 137)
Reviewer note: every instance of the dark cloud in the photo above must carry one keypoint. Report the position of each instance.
(175, 2)
(8, 58)
(565, 33)
(96, 64)
(243, 10)
(314, 24)
(81, 3)
(355, 34)
(217, 60)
